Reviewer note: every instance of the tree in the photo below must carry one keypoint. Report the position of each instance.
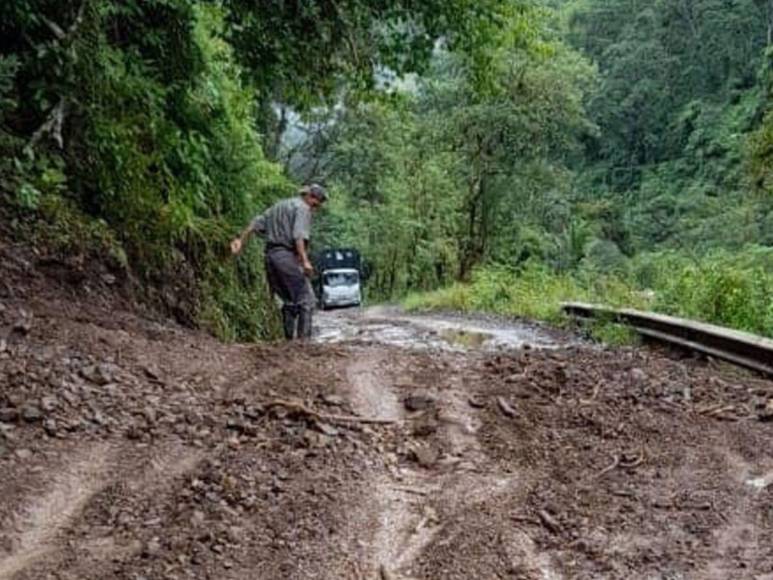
(305, 54)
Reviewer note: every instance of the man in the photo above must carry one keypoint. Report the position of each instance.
(286, 229)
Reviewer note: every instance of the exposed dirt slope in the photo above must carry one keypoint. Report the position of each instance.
(133, 448)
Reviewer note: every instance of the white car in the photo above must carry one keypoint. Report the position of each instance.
(340, 287)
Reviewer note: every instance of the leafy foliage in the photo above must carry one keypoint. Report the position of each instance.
(532, 291)
(159, 144)
(682, 91)
(145, 115)
(722, 288)
(448, 175)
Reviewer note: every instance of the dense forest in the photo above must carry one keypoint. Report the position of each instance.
(498, 154)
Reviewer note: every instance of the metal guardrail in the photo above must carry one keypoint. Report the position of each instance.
(741, 348)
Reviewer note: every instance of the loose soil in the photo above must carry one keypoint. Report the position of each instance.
(393, 447)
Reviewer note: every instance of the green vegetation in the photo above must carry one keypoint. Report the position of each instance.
(146, 128)
(534, 292)
(500, 155)
(135, 119)
(731, 289)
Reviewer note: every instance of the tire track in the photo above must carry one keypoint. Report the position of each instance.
(45, 518)
(403, 504)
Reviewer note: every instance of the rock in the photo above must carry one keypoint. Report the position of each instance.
(426, 426)
(22, 326)
(235, 535)
(198, 517)
(313, 440)
(134, 432)
(505, 407)
(766, 413)
(3, 345)
(276, 485)
(48, 404)
(49, 425)
(70, 397)
(249, 429)
(152, 548)
(418, 402)
(476, 402)
(549, 521)
(254, 412)
(333, 400)
(425, 455)
(9, 415)
(151, 372)
(101, 374)
(31, 413)
(23, 454)
(150, 415)
(637, 375)
(326, 428)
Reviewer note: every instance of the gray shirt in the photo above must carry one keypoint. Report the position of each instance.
(284, 223)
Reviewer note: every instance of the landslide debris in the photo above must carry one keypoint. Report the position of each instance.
(134, 448)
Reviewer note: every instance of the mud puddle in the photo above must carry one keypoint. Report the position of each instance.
(392, 326)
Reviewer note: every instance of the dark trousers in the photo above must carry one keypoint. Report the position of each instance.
(287, 280)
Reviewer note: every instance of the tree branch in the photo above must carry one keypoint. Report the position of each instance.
(57, 30)
(51, 126)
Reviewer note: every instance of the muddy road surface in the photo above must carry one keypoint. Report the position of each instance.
(394, 446)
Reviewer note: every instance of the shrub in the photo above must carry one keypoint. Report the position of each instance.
(734, 290)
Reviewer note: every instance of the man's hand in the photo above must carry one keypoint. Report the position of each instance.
(303, 257)
(236, 246)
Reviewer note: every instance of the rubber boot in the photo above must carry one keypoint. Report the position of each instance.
(304, 323)
(289, 320)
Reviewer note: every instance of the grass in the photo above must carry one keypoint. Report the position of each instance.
(733, 290)
(535, 292)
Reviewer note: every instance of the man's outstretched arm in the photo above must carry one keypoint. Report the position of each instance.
(256, 226)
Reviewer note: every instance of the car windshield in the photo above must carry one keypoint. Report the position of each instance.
(341, 279)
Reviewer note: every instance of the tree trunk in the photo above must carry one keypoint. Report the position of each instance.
(770, 23)
(467, 258)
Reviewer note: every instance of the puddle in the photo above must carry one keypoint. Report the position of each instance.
(391, 326)
(464, 338)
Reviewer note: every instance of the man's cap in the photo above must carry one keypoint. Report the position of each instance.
(316, 190)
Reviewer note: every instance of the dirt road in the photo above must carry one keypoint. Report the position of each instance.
(394, 447)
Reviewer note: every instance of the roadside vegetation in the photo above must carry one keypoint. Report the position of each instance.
(499, 156)
(730, 289)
